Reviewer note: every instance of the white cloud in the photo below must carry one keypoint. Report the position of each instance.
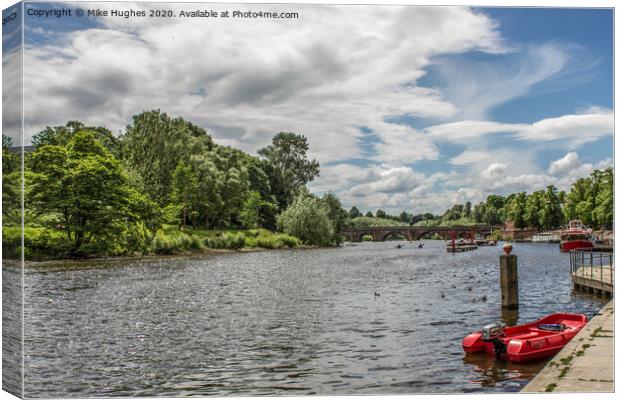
(574, 130)
(476, 87)
(469, 156)
(569, 162)
(388, 179)
(323, 75)
(11, 99)
(494, 171)
(402, 144)
(458, 131)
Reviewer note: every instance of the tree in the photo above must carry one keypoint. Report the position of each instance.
(287, 166)
(417, 218)
(354, 213)
(517, 210)
(185, 193)
(603, 212)
(454, 213)
(369, 214)
(233, 183)
(257, 212)
(250, 212)
(381, 214)
(578, 193)
(84, 185)
(496, 201)
(308, 219)
(61, 135)
(467, 211)
(11, 183)
(154, 144)
(479, 211)
(533, 207)
(550, 213)
(590, 199)
(337, 215)
(491, 215)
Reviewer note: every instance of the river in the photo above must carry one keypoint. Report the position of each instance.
(284, 322)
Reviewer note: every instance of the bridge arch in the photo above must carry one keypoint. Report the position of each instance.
(402, 232)
(369, 232)
(420, 234)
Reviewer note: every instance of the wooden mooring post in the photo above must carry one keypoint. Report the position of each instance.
(509, 278)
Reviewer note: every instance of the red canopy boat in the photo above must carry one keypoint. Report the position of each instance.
(527, 342)
(576, 236)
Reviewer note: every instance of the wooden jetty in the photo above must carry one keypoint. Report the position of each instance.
(593, 270)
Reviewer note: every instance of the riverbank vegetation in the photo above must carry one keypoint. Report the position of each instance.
(590, 200)
(162, 186)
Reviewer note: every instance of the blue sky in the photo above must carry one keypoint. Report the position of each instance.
(406, 108)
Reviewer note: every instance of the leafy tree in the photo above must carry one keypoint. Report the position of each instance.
(185, 193)
(308, 219)
(84, 185)
(590, 199)
(369, 214)
(257, 212)
(142, 210)
(154, 144)
(454, 213)
(258, 178)
(491, 215)
(354, 213)
(210, 181)
(416, 218)
(550, 213)
(233, 183)
(287, 166)
(467, 210)
(337, 215)
(250, 212)
(479, 211)
(11, 183)
(577, 194)
(496, 201)
(381, 214)
(61, 135)
(534, 205)
(603, 212)
(405, 217)
(517, 210)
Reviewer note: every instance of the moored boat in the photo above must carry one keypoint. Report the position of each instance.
(546, 237)
(576, 236)
(528, 342)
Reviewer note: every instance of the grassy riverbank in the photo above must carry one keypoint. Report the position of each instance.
(41, 243)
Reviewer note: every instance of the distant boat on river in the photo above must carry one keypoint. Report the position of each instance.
(546, 237)
(576, 236)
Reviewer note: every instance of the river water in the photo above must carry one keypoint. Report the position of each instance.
(284, 322)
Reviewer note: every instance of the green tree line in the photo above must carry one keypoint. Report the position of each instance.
(590, 200)
(88, 192)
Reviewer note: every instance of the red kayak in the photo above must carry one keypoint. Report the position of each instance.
(527, 342)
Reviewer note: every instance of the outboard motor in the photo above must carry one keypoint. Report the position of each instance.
(493, 333)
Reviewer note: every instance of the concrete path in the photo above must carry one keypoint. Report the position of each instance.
(586, 363)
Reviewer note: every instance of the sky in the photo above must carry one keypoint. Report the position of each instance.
(406, 108)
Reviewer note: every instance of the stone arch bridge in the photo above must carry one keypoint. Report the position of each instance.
(379, 234)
